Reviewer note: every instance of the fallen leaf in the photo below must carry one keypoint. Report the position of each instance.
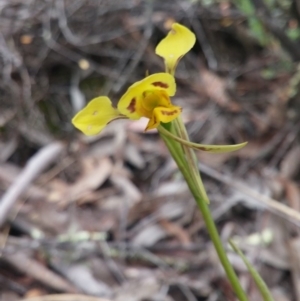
(95, 174)
(214, 87)
(290, 165)
(177, 231)
(149, 236)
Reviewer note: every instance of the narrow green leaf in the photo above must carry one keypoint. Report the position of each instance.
(216, 149)
(261, 285)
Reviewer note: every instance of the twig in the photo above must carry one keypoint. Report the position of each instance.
(187, 292)
(50, 40)
(64, 297)
(278, 208)
(266, 150)
(39, 272)
(201, 36)
(12, 285)
(33, 168)
(293, 248)
(114, 268)
(83, 41)
(141, 49)
(287, 141)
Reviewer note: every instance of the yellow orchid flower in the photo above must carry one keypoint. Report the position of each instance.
(175, 45)
(149, 98)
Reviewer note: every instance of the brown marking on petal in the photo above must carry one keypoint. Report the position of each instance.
(168, 113)
(131, 107)
(95, 113)
(205, 149)
(160, 84)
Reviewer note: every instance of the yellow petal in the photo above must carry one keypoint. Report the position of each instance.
(153, 99)
(95, 116)
(175, 45)
(164, 115)
(130, 102)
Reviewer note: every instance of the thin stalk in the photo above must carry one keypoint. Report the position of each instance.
(261, 285)
(178, 155)
(191, 158)
(214, 235)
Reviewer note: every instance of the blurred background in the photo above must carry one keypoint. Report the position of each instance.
(110, 217)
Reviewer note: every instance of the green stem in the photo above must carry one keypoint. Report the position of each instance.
(214, 235)
(192, 160)
(178, 155)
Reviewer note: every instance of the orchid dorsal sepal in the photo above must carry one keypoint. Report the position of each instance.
(216, 149)
(175, 45)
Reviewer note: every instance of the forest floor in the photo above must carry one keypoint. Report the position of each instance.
(110, 218)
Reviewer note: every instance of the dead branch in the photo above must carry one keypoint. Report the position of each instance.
(33, 168)
(271, 204)
(38, 271)
(64, 297)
